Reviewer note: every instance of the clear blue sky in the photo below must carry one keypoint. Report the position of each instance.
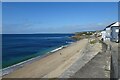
(53, 17)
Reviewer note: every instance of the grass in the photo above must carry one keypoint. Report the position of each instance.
(93, 41)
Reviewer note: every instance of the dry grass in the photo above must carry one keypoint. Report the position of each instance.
(93, 41)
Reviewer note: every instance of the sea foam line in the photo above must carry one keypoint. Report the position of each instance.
(58, 48)
(14, 67)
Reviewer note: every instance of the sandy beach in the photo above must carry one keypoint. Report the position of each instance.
(53, 65)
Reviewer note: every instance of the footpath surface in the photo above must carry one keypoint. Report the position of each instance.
(115, 52)
(95, 63)
(98, 67)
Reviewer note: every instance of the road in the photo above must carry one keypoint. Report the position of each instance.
(119, 60)
(98, 67)
(115, 67)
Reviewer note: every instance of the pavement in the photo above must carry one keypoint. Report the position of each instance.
(93, 64)
(119, 60)
(98, 67)
(115, 51)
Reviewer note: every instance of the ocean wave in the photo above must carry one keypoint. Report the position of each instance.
(51, 37)
(12, 68)
(58, 48)
(69, 42)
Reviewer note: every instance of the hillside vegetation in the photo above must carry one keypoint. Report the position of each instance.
(82, 35)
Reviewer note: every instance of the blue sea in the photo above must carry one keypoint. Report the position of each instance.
(17, 48)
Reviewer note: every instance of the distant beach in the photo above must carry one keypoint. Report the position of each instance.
(63, 56)
(12, 68)
(37, 46)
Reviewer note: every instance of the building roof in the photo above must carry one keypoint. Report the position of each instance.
(114, 24)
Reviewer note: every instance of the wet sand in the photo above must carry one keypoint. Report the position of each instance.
(53, 65)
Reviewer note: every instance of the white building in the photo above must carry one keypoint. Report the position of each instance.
(103, 35)
(107, 33)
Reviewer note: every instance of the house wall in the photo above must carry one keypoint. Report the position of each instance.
(108, 33)
(115, 33)
(103, 35)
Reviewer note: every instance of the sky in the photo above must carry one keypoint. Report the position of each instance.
(57, 17)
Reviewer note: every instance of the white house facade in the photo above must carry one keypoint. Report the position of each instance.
(111, 32)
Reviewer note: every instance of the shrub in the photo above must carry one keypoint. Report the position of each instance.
(93, 41)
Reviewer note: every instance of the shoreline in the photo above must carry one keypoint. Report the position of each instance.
(63, 57)
(9, 69)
